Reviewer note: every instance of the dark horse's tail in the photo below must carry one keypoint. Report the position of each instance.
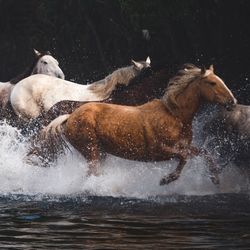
(48, 144)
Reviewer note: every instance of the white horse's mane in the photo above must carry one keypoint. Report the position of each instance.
(123, 76)
(32, 103)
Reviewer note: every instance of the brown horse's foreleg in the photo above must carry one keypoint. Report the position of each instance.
(214, 170)
(174, 175)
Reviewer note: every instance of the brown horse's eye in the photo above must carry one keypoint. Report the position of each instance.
(212, 83)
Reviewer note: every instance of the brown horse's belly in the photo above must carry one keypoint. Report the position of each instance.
(145, 158)
(136, 152)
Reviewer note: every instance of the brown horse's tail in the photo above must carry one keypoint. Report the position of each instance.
(49, 143)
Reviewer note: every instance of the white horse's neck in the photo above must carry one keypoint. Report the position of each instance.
(106, 86)
(38, 93)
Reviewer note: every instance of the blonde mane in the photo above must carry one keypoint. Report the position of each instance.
(177, 84)
(104, 87)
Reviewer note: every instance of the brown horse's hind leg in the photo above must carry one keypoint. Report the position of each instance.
(94, 156)
(94, 161)
(93, 167)
(174, 175)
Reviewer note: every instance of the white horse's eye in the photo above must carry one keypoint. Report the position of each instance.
(44, 62)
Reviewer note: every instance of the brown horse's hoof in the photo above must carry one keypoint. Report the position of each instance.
(163, 181)
(168, 179)
(215, 179)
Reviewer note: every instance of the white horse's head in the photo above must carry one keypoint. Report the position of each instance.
(48, 65)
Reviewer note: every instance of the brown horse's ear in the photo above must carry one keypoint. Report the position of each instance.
(211, 67)
(203, 70)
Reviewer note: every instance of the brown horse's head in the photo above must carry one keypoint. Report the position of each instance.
(213, 89)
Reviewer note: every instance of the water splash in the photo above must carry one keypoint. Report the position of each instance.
(118, 177)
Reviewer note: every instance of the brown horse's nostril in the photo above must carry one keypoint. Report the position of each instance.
(231, 104)
(61, 76)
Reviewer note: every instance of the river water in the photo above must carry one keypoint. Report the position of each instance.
(123, 208)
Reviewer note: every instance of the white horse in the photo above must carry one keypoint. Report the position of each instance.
(38, 93)
(44, 63)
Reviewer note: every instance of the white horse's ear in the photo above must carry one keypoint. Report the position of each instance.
(37, 53)
(148, 60)
(136, 64)
(211, 67)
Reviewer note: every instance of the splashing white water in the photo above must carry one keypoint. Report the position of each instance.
(119, 177)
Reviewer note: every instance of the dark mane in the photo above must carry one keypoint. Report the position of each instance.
(28, 70)
(147, 86)
(145, 73)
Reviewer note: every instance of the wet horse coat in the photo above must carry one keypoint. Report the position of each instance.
(156, 131)
(37, 94)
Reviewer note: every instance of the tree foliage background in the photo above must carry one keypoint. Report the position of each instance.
(92, 37)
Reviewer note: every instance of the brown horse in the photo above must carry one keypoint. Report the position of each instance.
(156, 131)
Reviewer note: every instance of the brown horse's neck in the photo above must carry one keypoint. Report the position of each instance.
(188, 103)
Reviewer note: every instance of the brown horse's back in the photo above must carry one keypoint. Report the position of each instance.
(129, 132)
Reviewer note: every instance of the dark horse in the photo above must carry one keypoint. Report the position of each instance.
(156, 131)
(228, 133)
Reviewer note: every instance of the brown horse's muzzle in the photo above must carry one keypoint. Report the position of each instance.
(231, 104)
